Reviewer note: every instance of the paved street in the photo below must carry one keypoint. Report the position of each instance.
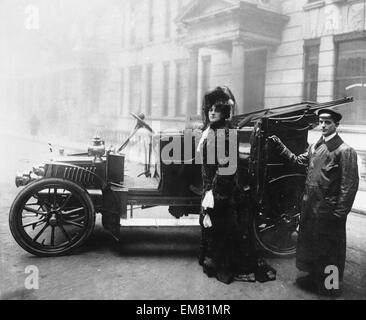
(148, 263)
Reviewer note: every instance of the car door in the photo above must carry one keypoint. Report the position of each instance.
(276, 186)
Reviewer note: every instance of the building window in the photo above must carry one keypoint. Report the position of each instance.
(166, 86)
(123, 25)
(350, 78)
(206, 73)
(181, 86)
(133, 22)
(149, 73)
(167, 19)
(179, 5)
(122, 91)
(311, 60)
(150, 24)
(21, 99)
(137, 22)
(135, 89)
(91, 86)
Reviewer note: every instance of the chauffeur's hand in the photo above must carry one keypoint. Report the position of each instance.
(276, 143)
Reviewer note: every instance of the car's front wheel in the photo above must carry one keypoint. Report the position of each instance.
(52, 217)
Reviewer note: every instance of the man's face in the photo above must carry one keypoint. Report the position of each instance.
(327, 124)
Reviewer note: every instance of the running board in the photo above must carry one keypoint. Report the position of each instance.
(159, 222)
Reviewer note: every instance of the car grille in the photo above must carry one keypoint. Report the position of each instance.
(81, 175)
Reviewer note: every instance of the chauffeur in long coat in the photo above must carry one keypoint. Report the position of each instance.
(330, 189)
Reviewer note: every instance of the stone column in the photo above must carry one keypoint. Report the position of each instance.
(126, 106)
(173, 93)
(237, 71)
(144, 89)
(192, 81)
(326, 69)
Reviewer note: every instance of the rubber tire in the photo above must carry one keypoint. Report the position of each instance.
(288, 253)
(284, 253)
(26, 192)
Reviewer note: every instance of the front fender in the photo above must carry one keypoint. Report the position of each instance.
(114, 208)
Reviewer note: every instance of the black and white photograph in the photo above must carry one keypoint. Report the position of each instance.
(182, 154)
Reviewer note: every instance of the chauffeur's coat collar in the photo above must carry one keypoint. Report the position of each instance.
(334, 143)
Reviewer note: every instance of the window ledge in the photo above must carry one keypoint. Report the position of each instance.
(134, 47)
(350, 1)
(164, 118)
(314, 5)
(361, 129)
(349, 128)
(340, 1)
(158, 42)
(321, 3)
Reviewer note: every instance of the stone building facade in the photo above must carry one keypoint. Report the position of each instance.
(269, 52)
(159, 56)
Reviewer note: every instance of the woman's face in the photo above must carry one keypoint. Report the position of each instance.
(214, 114)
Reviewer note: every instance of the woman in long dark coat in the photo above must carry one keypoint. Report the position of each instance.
(224, 252)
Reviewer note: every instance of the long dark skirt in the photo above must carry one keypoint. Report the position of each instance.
(226, 248)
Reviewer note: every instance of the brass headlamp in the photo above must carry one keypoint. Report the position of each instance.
(97, 149)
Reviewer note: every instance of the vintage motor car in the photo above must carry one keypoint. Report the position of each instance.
(54, 212)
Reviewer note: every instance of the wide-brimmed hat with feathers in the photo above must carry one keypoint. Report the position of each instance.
(222, 98)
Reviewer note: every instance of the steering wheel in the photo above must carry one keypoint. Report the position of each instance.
(140, 124)
(140, 121)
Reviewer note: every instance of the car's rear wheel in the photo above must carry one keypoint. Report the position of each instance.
(52, 217)
(276, 228)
